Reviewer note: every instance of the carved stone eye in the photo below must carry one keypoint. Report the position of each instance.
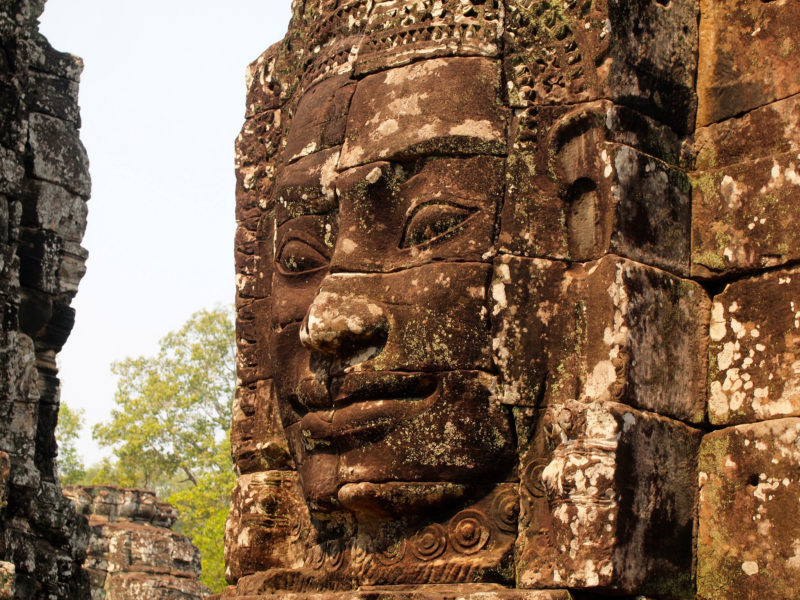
(296, 256)
(431, 221)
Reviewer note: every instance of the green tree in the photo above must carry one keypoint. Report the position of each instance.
(169, 430)
(68, 430)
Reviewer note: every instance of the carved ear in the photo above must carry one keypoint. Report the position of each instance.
(583, 217)
(574, 145)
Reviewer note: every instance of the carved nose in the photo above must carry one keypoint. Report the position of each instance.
(350, 328)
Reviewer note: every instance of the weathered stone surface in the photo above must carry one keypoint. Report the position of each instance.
(264, 528)
(122, 504)
(321, 118)
(748, 56)
(439, 592)
(611, 330)
(755, 342)
(475, 261)
(133, 554)
(44, 185)
(592, 179)
(748, 542)
(595, 512)
(258, 442)
(400, 32)
(745, 190)
(439, 106)
(641, 54)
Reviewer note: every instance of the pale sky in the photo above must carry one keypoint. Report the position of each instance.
(162, 100)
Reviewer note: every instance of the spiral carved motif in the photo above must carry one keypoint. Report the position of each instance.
(393, 554)
(505, 511)
(468, 531)
(429, 543)
(532, 478)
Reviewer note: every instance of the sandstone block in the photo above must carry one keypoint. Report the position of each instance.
(767, 131)
(143, 548)
(258, 442)
(55, 96)
(612, 507)
(447, 105)
(53, 208)
(578, 187)
(748, 56)
(58, 155)
(611, 330)
(745, 190)
(322, 115)
(748, 542)
(744, 217)
(268, 524)
(642, 54)
(754, 345)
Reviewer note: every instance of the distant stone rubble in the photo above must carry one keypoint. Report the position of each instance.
(133, 554)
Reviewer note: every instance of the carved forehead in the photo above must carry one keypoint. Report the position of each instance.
(435, 106)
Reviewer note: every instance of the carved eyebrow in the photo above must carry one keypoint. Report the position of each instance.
(296, 201)
(415, 207)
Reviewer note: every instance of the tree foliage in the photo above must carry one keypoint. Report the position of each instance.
(68, 430)
(172, 409)
(169, 430)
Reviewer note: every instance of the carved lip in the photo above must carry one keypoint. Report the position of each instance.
(371, 401)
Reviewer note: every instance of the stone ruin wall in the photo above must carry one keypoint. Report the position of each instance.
(682, 118)
(133, 553)
(44, 186)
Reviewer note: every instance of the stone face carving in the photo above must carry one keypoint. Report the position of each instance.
(133, 554)
(484, 328)
(44, 186)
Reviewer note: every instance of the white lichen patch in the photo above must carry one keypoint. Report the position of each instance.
(347, 245)
(484, 130)
(731, 192)
(327, 176)
(750, 567)
(603, 374)
(717, 329)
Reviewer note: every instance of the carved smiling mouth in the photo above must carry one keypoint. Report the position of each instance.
(370, 402)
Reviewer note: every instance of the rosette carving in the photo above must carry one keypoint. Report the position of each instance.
(468, 531)
(429, 543)
(505, 511)
(393, 554)
(532, 478)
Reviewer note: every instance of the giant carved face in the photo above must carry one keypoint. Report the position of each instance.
(482, 339)
(383, 253)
